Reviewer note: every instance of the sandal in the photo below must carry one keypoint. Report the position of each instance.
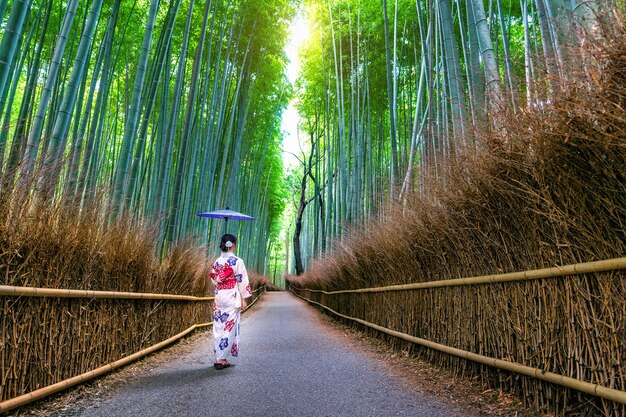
(220, 366)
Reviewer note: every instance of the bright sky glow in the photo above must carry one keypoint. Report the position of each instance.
(293, 141)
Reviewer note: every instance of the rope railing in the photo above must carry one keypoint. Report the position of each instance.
(557, 271)
(84, 377)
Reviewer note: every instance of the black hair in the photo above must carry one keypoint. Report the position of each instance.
(227, 238)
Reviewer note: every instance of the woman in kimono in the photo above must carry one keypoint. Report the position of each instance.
(232, 287)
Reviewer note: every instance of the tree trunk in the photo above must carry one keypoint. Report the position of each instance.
(10, 39)
(132, 118)
(392, 110)
(56, 147)
(492, 75)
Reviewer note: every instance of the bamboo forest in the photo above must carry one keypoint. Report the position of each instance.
(174, 108)
(373, 142)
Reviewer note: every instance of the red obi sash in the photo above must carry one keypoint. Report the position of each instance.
(223, 277)
(227, 285)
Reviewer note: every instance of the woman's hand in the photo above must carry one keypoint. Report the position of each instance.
(244, 304)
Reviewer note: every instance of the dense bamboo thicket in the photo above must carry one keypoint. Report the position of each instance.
(46, 340)
(546, 188)
(170, 106)
(392, 91)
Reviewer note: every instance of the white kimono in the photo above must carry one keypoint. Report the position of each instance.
(230, 278)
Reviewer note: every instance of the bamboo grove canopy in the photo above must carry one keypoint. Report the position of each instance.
(171, 107)
(389, 91)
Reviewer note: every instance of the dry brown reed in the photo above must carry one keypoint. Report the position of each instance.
(548, 189)
(54, 245)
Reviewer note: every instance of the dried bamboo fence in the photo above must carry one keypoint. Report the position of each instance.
(53, 339)
(553, 341)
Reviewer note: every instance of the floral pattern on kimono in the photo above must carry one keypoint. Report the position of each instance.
(230, 278)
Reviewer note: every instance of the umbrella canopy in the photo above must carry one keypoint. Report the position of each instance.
(226, 215)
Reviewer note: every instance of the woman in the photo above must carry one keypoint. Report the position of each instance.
(232, 287)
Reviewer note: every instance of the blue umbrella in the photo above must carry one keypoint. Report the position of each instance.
(226, 215)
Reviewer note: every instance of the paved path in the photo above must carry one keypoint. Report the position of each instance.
(290, 365)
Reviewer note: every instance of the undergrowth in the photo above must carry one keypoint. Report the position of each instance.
(56, 245)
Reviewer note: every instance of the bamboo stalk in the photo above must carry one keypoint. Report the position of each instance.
(583, 386)
(9, 290)
(557, 271)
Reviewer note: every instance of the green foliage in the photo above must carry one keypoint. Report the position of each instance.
(389, 106)
(234, 122)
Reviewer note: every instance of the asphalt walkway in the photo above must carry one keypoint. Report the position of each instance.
(291, 364)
